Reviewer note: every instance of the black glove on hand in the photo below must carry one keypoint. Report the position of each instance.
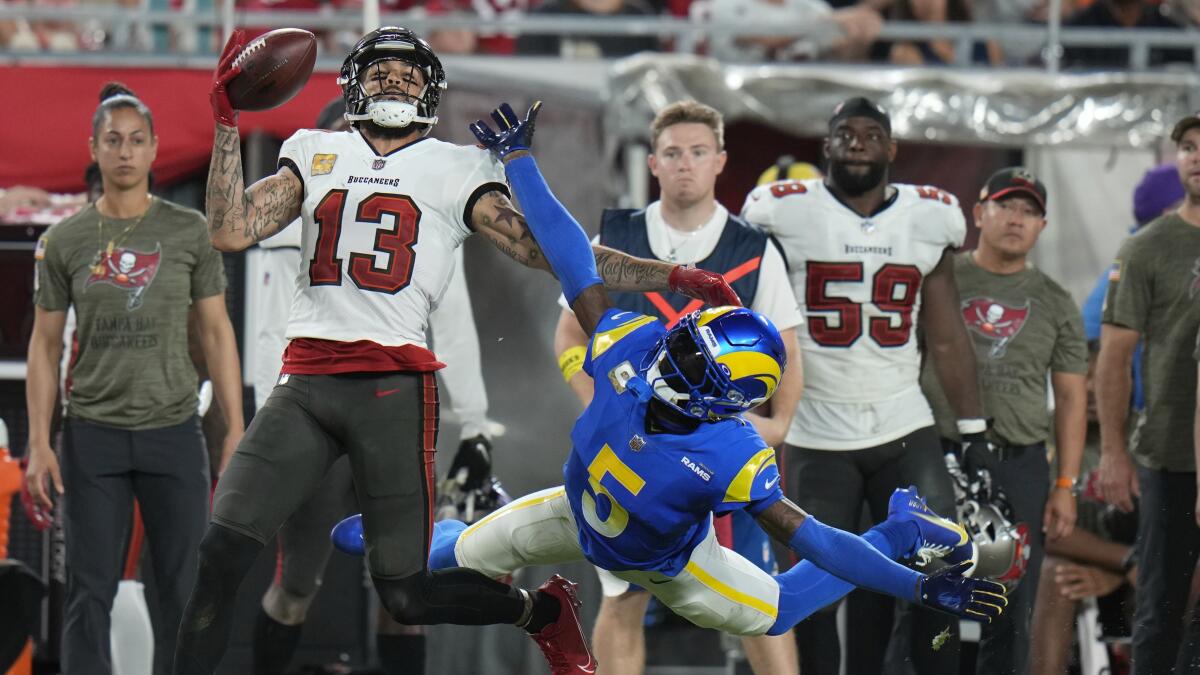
(977, 456)
(472, 463)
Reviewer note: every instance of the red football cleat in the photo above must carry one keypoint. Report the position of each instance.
(562, 642)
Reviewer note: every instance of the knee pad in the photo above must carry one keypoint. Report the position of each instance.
(404, 598)
(226, 552)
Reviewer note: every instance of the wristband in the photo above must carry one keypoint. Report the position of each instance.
(571, 361)
(976, 425)
(1065, 483)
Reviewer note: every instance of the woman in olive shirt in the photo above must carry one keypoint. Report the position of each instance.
(133, 266)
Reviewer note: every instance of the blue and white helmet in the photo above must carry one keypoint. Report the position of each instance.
(717, 363)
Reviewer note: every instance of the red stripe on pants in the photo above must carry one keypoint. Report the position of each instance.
(429, 432)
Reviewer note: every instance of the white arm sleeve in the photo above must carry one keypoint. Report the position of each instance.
(457, 343)
(774, 297)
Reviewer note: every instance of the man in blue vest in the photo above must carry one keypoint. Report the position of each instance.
(688, 226)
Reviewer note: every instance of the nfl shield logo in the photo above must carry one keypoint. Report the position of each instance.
(379, 164)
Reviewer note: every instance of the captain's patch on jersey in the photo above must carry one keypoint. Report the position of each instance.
(323, 164)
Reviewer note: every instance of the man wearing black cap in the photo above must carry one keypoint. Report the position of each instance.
(1153, 297)
(1026, 329)
(868, 259)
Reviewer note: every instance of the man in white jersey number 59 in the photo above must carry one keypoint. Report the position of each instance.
(869, 258)
(383, 208)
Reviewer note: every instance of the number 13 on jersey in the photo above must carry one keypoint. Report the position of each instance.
(394, 244)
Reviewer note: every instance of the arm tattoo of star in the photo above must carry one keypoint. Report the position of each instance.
(505, 227)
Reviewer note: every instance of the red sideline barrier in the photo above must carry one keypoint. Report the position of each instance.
(46, 119)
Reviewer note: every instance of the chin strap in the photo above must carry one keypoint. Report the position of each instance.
(392, 114)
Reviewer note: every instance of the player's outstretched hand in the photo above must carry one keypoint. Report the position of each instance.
(223, 111)
(512, 133)
(472, 463)
(703, 285)
(975, 599)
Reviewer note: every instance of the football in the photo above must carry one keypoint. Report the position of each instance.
(275, 67)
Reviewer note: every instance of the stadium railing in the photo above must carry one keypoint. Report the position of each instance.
(687, 35)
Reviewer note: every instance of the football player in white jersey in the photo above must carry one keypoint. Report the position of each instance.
(303, 545)
(870, 263)
(383, 209)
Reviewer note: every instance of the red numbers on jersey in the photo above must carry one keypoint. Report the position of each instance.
(930, 192)
(325, 269)
(846, 328)
(785, 188)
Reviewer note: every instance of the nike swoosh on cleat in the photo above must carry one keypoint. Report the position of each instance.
(946, 525)
(385, 392)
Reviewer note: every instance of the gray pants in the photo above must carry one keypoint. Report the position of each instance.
(386, 423)
(104, 469)
(303, 544)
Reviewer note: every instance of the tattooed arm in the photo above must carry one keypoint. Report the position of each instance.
(495, 217)
(239, 217)
(623, 272)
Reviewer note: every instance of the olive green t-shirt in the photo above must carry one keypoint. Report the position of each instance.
(1153, 290)
(132, 368)
(1024, 326)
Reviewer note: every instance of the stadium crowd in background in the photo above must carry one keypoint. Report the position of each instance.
(840, 30)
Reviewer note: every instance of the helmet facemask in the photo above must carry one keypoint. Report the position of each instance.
(395, 46)
(685, 375)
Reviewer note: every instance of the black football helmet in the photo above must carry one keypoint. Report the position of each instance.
(387, 43)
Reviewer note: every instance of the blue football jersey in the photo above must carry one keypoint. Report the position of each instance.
(643, 501)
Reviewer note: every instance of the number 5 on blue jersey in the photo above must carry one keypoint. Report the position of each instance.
(607, 462)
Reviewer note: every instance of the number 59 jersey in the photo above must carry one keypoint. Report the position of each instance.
(858, 280)
(379, 232)
(643, 501)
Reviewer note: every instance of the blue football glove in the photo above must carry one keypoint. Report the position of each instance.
(975, 599)
(512, 135)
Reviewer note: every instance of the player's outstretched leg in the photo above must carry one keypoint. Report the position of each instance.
(347, 537)
(225, 557)
(550, 613)
(910, 526)
(938, 537)
(806, 588)
(562, 642)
